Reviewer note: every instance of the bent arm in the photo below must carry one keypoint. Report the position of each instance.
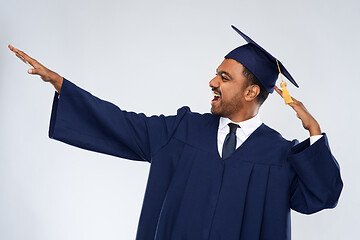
(316, 180)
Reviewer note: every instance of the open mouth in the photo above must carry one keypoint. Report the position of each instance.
(217, 97)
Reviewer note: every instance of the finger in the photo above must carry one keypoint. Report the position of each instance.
(298, 109)
(278, 90)
(21, 58)
(294, 99)
(24, 57)
(294, 106)
(11, 47)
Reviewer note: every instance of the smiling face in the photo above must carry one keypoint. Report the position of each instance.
(232, 93)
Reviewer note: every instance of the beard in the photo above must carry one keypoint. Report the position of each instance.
(227, 109)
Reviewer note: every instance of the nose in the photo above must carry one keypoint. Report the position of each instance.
(214, 83)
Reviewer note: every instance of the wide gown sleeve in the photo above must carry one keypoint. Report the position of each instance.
(80, 119)
(317, 183)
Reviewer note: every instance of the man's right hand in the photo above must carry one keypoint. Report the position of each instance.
(46, 74)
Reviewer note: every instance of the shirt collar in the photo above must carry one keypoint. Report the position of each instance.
(248, 126)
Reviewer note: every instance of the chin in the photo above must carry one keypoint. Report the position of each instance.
(225, 112)
(216, 112)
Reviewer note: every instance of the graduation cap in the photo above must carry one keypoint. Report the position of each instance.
(262, 64)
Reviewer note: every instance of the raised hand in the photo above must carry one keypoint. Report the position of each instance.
(308, 121)
(38, 69)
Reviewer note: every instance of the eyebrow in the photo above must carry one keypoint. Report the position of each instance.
(224, 72)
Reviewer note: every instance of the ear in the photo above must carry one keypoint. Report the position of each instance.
(251, 92)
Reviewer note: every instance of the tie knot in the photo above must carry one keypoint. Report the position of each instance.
(233, 127)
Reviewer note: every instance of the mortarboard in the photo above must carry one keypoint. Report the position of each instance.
(262, 64)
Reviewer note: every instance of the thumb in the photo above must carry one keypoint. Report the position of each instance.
(34, 71)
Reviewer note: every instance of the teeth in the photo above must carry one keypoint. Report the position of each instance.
(216, 95)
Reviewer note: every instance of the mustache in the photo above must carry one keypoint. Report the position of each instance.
(217, 90)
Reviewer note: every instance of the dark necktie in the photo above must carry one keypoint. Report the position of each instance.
(230, 141)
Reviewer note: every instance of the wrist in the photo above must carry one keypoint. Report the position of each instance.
(315, 130)
(57, 82)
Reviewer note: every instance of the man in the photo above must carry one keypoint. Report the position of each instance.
(224, 175)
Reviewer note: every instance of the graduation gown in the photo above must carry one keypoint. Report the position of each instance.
(192, 193)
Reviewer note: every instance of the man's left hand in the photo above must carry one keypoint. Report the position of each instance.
(308, 121)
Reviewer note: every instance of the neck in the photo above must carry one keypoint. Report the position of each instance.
(244, 114)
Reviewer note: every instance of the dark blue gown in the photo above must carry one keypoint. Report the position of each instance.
(191, 193)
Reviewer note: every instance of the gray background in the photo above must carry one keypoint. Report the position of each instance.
(154, 57)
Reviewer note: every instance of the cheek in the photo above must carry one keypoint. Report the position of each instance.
(231, 93)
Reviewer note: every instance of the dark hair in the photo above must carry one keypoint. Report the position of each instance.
(252, 80)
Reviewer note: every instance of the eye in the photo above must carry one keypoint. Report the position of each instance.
(224, 78)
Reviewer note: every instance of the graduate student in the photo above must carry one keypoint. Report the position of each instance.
(223, 175)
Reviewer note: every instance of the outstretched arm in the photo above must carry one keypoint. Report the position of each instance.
(38, 69)
(83, 120)
(80, 119)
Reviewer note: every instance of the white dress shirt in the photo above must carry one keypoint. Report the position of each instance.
(247, 127)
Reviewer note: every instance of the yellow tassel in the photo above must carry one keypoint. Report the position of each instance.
(285, 93)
